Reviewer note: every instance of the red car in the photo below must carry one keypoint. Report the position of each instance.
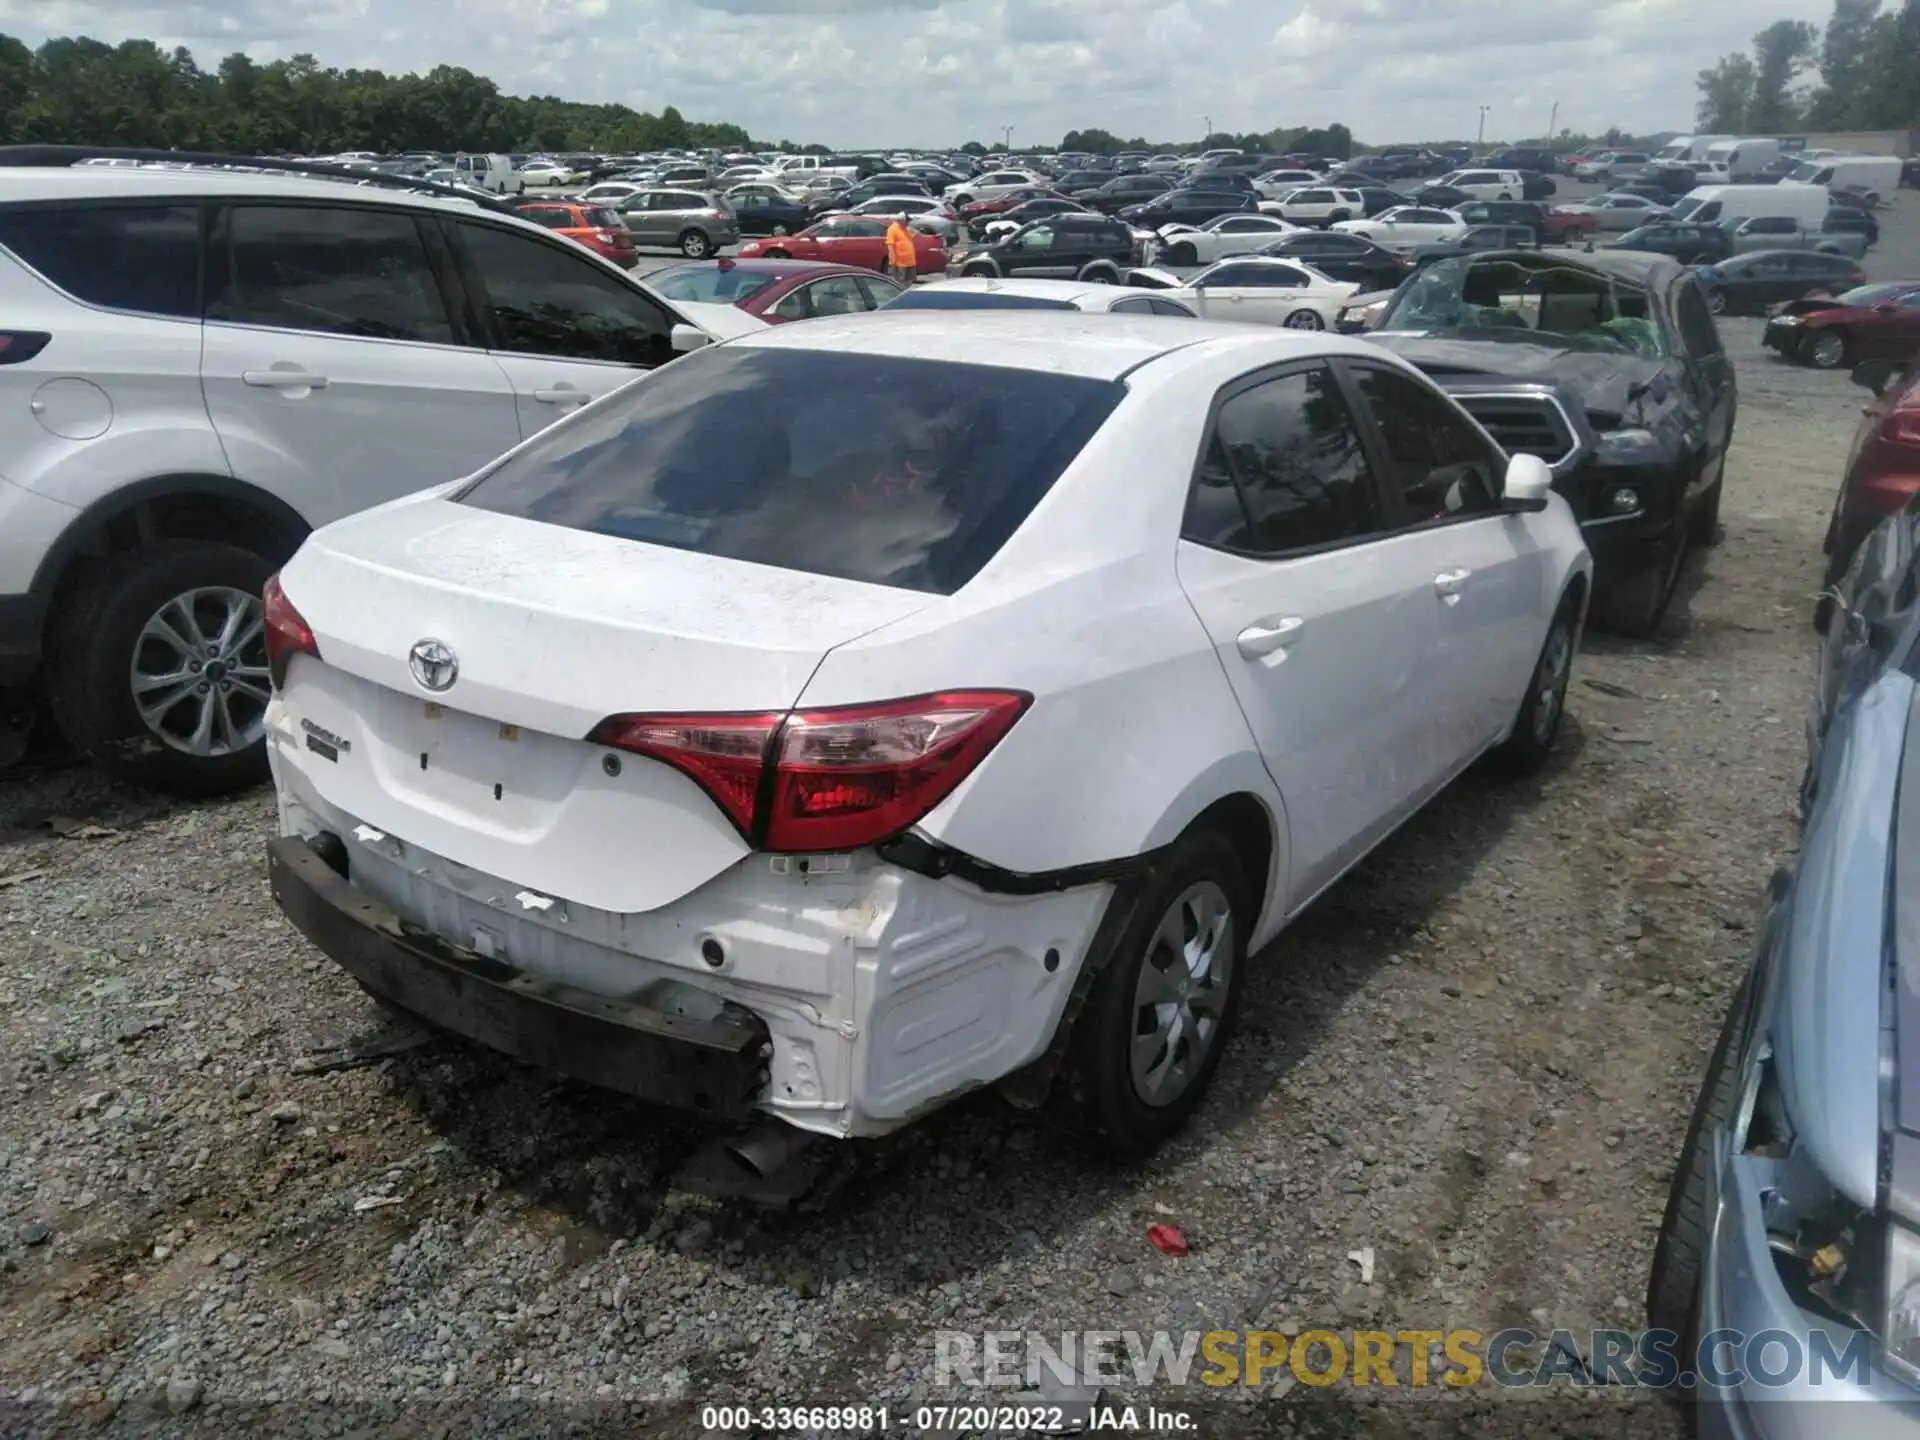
(851, 240)
(778, 290)
(601, 231)
(986, 209)
(1883, 469)
(1869, 322)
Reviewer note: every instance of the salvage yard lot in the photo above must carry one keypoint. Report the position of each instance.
(1475, 1057)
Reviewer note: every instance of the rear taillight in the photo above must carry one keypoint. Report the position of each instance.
(1902, 425)
(287, 633)
(605, 237)
(831, 779)
(18, 345)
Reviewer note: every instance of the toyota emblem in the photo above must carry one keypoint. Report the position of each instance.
(433, 665)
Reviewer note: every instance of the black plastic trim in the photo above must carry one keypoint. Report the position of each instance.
(105, 510)
(936, 861)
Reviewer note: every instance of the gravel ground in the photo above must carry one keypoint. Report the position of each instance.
(1474, 1058)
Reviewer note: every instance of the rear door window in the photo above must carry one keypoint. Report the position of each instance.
(893, 471)
(545, 300)
(124, 257)
(1290, 448)
(334, 269)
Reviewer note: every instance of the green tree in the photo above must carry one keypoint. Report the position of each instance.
(1846, 62)
(1726, 94)
(1780, 53)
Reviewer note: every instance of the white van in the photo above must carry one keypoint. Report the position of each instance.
(1685, 149)
(1728, 205)
(1874, 176)
(1744, 159)
(489, 172)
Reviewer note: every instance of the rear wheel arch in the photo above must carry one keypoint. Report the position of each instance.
(1248, 826)
(215, 508)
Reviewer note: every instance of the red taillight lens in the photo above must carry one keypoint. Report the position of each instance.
(830, 779)
(725, 755)
(287, 633)
(1902, 425)
(849, 777)
(18, 345)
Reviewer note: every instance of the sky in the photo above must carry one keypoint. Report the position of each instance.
(940, 72)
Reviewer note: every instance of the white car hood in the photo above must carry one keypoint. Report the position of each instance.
(722, 322)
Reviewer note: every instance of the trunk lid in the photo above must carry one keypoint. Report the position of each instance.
(552, 630)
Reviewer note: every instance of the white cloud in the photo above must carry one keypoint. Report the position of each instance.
(925, 72)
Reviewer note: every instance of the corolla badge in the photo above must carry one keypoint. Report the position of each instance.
(434, 665)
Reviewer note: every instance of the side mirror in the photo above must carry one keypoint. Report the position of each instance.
(1528, 483)
(1873, 375)
(684, 337)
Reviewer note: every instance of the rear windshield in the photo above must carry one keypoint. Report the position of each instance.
(934, 297)
(712, 284)
(901, 472)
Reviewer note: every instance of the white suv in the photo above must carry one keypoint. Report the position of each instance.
(198, 366)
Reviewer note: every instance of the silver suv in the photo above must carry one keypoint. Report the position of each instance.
(691, 221)
(200, 365)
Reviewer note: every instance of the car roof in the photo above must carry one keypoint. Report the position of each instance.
(1096, 347)
(1067, 290)
(107, 182)
(776, 267)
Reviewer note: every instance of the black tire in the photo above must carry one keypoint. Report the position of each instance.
(1825, 351)
(1703, 528)
(1304, 319)
(1099, 273)
(1635, 604)
(1717, 301)
(1673, 1281)
(695, 245)
(960, 202)
(776, 254)
(1337, 216)
(1182, 255)
(93, 644)
(1109, 1107)
(981, 271)
(1536, 724)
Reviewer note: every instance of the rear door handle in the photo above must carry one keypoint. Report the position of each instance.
(1263, 637)
(1451, 584)
(562, 394)
(287, 379)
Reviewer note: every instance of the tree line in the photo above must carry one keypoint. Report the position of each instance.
(1861, 73)
(83, 91)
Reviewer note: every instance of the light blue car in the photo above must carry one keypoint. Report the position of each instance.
(1788, 1264)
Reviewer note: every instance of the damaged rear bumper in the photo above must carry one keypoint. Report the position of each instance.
(881, 990)
(712, 1064)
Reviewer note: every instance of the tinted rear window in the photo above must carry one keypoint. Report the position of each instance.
(126, 257)
(710, 284)
(909, 473)
(932, 297)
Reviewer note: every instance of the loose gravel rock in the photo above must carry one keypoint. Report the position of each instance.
(1473, 1059)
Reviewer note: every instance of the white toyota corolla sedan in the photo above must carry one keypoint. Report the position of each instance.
(859, 713)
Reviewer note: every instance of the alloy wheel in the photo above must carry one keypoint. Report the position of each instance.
(1305, 320)
(1556, 667)
(1180, 997)
(1717, 301)
(1828, 350)
(199, 673)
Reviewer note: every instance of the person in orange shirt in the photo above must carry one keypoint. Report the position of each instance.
(903, 260)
